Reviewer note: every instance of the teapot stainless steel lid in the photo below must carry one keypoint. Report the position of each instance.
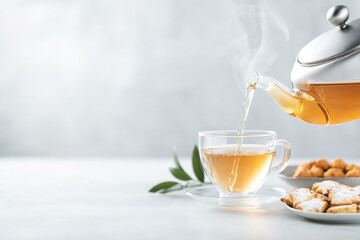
(335, 44)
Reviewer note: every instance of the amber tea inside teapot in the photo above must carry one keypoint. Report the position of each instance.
(325, 76)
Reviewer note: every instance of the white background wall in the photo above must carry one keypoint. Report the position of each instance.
(135, 78)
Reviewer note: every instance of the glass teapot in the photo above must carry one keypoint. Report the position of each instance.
(325, 76)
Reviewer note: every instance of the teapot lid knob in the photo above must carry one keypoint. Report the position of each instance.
(338, 15)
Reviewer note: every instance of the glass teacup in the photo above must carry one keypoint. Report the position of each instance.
(238, 164)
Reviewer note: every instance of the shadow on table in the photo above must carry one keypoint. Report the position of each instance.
(273, 211)
(260, 210)
(330, 223)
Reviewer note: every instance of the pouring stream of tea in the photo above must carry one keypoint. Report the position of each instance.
(245, 111)
(252, 20)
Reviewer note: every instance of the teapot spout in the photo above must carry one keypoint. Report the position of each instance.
(300, 104)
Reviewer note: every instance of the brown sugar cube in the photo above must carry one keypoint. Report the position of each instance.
(322, 163)
(334, 173)
(316, 171)
(350, 167)
(338, 163)
(355, 172)
(302, 171)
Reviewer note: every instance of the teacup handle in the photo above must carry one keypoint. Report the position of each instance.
(285, 159)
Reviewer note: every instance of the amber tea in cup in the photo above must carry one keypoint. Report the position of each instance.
(240, 163)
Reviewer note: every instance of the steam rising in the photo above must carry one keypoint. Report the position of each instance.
(254, 25)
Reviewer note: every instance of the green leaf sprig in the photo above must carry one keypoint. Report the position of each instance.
(179, 173)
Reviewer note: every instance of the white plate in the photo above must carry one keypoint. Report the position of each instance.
(287, 174)
(209, 194)
(328, 217)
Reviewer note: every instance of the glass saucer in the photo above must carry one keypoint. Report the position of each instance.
(209, 194)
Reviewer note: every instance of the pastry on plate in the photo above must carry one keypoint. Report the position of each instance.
(301, 195)
(328, 197)
(302, 171)
(357, 189)
(313, 205)
(350, 167)
(316, 171)
(325, 186)
(338, 163)
(343, 209)
(287, 200)
(343, 196)
(334, 173)
(355, 172)
(322, 163)
(321, 168)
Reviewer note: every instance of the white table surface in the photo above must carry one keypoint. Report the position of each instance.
(43, 198)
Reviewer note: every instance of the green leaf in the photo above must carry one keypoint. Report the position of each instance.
(163, 186)
(196, 163)
(180, 170)
(172, 189)
(180, 174)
